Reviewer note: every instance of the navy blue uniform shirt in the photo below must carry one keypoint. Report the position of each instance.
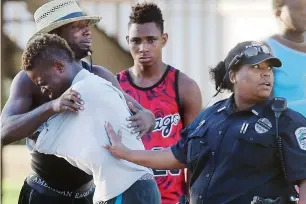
(233, 155)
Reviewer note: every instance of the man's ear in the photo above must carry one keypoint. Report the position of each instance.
(59, 66)
(127, 39)
(164, 39)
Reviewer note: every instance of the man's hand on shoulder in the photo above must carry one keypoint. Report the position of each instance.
(143, 121)
(68, 101)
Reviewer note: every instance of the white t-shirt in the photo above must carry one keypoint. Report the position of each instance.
(79, 137)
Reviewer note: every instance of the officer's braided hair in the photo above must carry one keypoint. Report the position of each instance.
(46, 48)
(217, 74)
(220, 73)
(147, 12)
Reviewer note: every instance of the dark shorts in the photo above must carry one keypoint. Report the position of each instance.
(141, 192)
(35, 193)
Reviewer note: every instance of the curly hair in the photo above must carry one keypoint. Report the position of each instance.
(277, 4)
(147, 12)
(45, 48)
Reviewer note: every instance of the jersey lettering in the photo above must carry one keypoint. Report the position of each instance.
(165, 124)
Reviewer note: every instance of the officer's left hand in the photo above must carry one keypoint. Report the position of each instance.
(143, 121)
(116, 147)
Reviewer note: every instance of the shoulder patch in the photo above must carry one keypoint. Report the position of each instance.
(263, 125)
(300, 135)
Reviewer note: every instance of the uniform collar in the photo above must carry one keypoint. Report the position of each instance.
(257, 109)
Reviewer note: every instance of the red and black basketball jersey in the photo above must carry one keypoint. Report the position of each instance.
(163, 100)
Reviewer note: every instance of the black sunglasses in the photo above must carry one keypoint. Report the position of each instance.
(250, 51)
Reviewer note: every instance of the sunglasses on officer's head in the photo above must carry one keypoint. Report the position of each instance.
(250, 51)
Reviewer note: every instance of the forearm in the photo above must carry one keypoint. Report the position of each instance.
(128, 98)
(17, 127)
(155, 159)
(302, 192)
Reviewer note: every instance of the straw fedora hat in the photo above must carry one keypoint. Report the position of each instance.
(57, 13)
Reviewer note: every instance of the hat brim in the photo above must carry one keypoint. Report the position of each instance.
(92, 20)
(275, 62)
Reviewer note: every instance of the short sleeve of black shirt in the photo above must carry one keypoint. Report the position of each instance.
(293, 133)
(180, 149)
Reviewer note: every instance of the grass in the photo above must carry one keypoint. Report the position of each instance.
(10, 192)
(16, 166)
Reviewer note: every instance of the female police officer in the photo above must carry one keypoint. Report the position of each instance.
(231, 147)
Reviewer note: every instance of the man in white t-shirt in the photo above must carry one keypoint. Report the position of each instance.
(78, 137)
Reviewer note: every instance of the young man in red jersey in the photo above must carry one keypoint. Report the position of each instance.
(171, 95)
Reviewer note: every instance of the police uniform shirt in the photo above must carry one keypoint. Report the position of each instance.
(233, 155)
(79, 138)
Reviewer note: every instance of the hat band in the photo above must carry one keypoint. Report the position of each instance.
(71, 15)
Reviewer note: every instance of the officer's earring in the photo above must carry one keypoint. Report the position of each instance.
(233, 81)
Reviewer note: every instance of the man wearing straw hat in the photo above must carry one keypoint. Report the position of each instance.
(29, 106)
